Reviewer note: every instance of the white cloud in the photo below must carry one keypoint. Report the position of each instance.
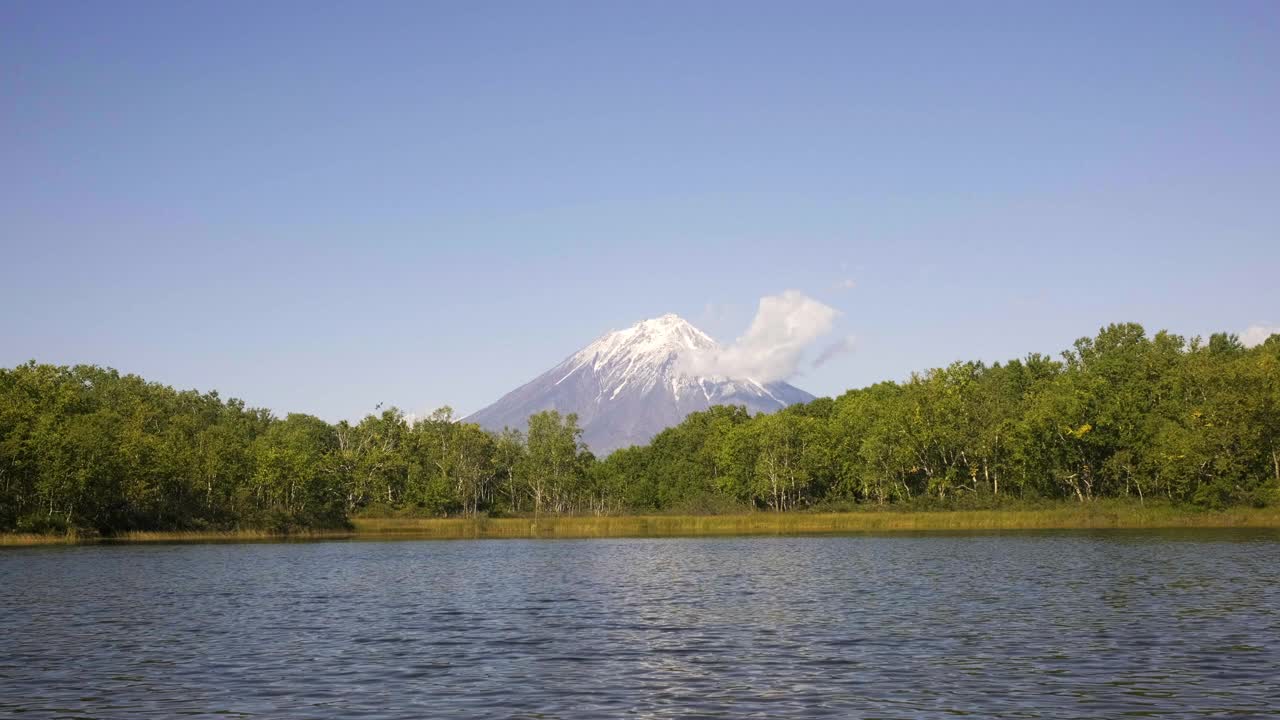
(784, 327)
(1257, 334)
(844, 345)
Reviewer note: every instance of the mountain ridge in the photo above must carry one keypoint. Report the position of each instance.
(630, 384)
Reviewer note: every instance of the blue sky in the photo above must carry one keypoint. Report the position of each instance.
(318, 207)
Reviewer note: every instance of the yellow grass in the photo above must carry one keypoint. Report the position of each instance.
(1097, 515)
(34, 539)
(1067, 517)
(169, 536)
(227, 535)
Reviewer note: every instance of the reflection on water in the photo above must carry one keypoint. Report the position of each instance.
(1178, 624)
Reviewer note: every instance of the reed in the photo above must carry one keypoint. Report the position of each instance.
(140, 536)
(1090, 516)
(38, 539)
(169, 536)
(1095, 515)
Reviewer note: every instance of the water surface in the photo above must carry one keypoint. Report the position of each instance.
(1061, 624)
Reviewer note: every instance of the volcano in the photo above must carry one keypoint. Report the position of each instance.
(631, 384)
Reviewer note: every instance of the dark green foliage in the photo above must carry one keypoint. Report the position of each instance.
(1120, 415)
(89, 449)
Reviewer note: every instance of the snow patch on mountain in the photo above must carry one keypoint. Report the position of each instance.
(630, 384)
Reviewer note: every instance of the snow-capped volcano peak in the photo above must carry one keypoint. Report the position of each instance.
(654, 337)
(643, 352)
(631, 383)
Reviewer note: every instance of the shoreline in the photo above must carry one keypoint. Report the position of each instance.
(1093, 516)
(170, 536)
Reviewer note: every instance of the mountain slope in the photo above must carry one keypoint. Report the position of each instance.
(630, 384)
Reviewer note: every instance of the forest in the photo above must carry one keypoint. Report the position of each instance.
(1119, 415)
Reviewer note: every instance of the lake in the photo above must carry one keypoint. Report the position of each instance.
(1030, 624)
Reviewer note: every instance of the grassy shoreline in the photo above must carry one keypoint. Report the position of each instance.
(169, 536)
(1096, 515)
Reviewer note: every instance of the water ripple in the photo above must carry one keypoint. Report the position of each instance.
(1016, 625)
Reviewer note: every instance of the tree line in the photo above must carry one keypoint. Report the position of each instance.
(1118, 415)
